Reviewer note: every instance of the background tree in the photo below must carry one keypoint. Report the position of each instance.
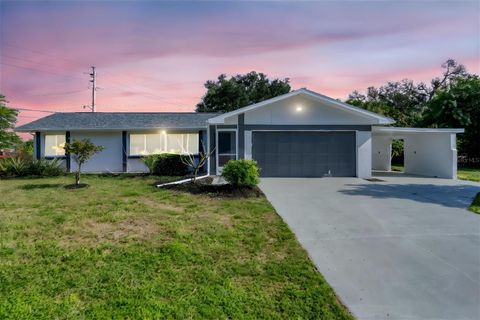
(458, 106)
(404, 100)
(401, 100)
(82, 151)
(451, 100)
(8, 117)
(224, 95)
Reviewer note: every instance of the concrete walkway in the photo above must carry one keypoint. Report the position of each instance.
(404, 248)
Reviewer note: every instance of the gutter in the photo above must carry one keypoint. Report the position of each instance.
(180, 181)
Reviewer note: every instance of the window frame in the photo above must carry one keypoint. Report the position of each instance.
(165, 142)
(44, 145)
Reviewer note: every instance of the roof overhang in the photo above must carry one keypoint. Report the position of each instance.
(173, 129)
(379, 119)
(398, 131)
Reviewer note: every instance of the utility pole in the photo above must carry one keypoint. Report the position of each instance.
(93, 80)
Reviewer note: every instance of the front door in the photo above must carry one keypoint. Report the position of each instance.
(226, 147)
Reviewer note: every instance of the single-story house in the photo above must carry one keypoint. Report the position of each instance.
(298, 134)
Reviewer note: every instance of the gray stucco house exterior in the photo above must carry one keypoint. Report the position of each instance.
(298, 134)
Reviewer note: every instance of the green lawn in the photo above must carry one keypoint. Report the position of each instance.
(123, 249)
(475, 206)
(472, 174)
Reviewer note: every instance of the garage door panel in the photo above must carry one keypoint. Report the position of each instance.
(304, 154)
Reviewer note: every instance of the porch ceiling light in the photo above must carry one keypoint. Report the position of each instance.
(298, 108)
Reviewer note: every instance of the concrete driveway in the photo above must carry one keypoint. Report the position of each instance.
(405, 248)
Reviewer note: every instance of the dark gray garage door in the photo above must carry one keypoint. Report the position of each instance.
(304, 154)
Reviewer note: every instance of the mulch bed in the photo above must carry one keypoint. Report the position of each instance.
(205, 186)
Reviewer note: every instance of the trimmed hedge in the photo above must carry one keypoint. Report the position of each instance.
(241, 173)
(166, 164)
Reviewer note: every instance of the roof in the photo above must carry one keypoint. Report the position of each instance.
(118, 121)
(393, 130)
(303, 91)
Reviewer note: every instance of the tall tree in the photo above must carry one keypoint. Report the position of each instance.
(458, 106)
(401, 100)
(404, 100)
(224, 95)
(8, 118)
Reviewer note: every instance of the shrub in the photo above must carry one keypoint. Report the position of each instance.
(151, 162)
(169, 164)
(20, 167)
(46, 168)
(14, 167)
(241, 173)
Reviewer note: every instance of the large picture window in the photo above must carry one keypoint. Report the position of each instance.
(54, 144)
(154, 143)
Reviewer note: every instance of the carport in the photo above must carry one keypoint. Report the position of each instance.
(427, 151)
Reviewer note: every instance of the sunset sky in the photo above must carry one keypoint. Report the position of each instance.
(155, 56)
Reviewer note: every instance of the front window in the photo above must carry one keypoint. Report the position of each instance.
(154, 143)
(54, 144)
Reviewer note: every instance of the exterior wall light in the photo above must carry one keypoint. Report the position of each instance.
(298, 109)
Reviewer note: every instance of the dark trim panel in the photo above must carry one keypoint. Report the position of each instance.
(241, 136)
(212, 142)
(56, 157)
(226, 126)
(273, 127)
(67, 155)
(124, 151)
(38, 145)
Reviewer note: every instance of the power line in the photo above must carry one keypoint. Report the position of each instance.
(36, 110)
(37, 70)
(34, 62)
(122, 84)
(43, 53)
(57, 94)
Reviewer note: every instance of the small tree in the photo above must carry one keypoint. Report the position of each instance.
(82, 151)
(8, 117)
(190, 161)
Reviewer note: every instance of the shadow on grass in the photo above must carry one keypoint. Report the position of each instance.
(40, 186)
(76, 186)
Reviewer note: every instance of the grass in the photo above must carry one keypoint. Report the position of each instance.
(472, 174)
(475, 206)
(123, 249)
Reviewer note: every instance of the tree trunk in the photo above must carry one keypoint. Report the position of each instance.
(195, 173)
(77, 176)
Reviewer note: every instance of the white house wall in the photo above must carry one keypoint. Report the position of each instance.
(381, 153)
(431, 154)
(108, 160)
(312, 112)
(136, 165)
(364, 154)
